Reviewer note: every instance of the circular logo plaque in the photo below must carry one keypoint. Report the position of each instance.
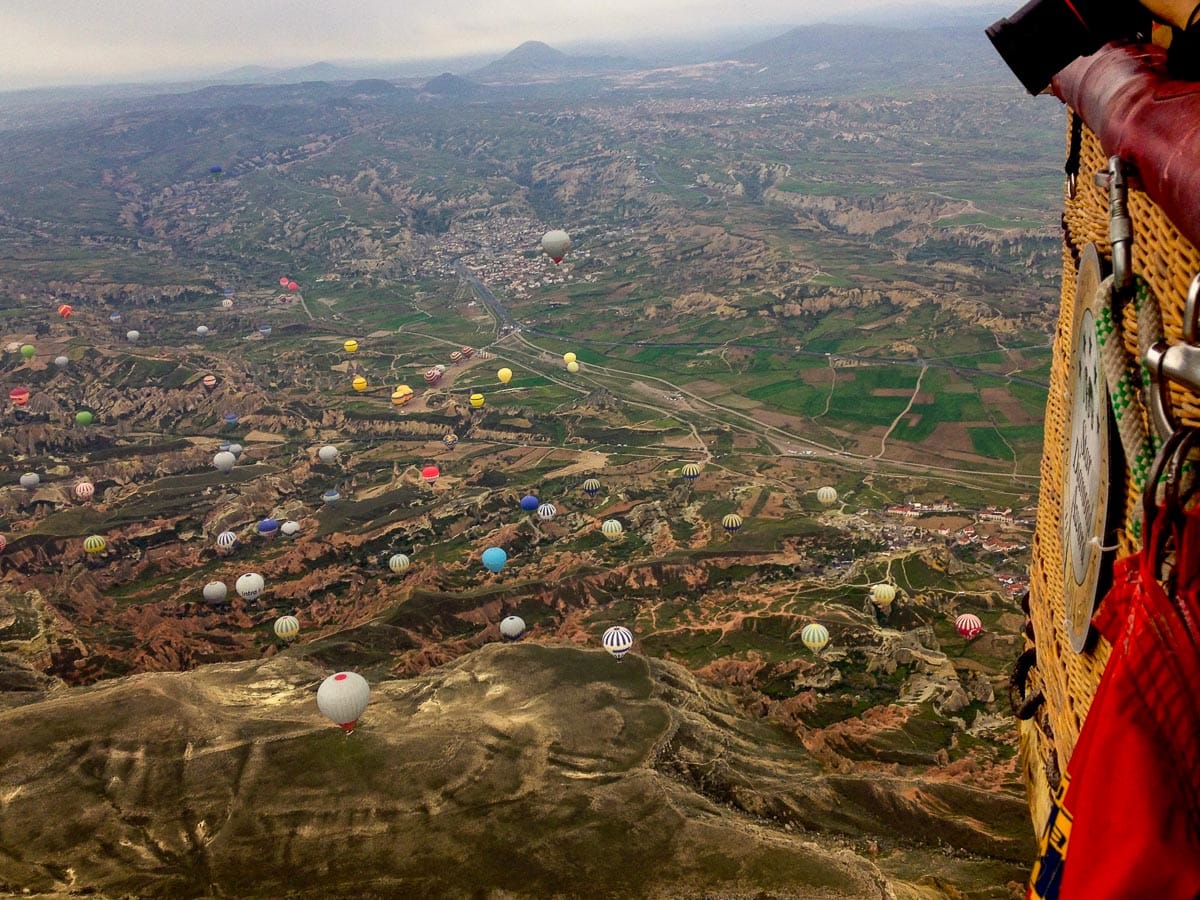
(1085, 478)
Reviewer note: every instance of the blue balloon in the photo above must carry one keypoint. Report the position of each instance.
(231, 418)
(494, 559)
(215, 170)
(529, 503)
(264, 330)
(268, 527)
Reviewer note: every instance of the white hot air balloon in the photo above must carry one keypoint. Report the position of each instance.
(612, 529)
(62, 362)
(85, 491)
(250, 585)
(555, 244)
(814, 636)
(224, 462)
(547, 511)
(399, 562)
(343, 697)
(201, 331)
(883, 594)
(290, 528)
(226, 540)
(827, 496)
(215, 592)
(512, 627)
(132, 335)
(287, 628)
(617, 640)
(30, 480)
(328, 454)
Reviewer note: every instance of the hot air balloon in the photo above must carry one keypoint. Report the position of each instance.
(84, 491)
(555, 244)
(547, 511)
(201, 331)
(505, 375)
(401, 395)
(350, 346)
(227, 303)
(30, 480)
(572, 367)
(814, 636)
(342, 698)
(430, 474)
(268, 528)
(19, 396)
(228, 292)
(883, 594)
(493, 559)
(215, 171)
(827, 496)
(618, 641)
(290, 528)
(512, 627)
(450, 440)
(328, 454)
(226, 540)
(293, 286)
(224, 462)
(114, 317)
(62, 361)
(399, 562)
(249, 586)
(287, 628)
(65, 310)
(83, 417)
(28, 351)
(969, 626)
(264, 330)
(731, 522)
(691, 471)
(215, 592)
(591, 487)
(477, 400)
(209, 381)
(612, 529)
(283, 281)
(230, 418)
(529, 503)
(433, 376)
(456, 356)
(569, 357)
(132, 335)
(467, 352)
(94, 545)
(331, 496)
(236, 450)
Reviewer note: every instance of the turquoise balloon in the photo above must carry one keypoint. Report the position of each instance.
(494, 559)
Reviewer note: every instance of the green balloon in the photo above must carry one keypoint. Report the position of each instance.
(84, 418)
(27, 351)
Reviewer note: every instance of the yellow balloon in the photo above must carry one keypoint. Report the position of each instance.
(569, 357)
(505, 375)
(359, 383)
(350, 346)
(572, 367)
(477, 400)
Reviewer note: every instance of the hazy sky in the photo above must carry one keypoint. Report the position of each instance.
(83, 41)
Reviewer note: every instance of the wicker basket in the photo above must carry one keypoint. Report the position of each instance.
(1166, 263)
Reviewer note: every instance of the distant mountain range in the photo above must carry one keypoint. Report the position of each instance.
(534, 59)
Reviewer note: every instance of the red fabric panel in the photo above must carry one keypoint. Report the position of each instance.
(1123, 94)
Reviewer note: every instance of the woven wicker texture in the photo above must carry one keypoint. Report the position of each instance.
(1166, 262)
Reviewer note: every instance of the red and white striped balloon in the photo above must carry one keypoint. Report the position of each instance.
(969, 626)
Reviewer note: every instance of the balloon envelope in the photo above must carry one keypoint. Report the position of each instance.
(827, 496)
(512, 627)
(132, 335)
(65, 310)
(572, 367)
(290, 528)
(343, 697)
(505, 375)
(28, 351)
(83, 417)
(430, 474)
(547, 511)
(328, 453)
(731, 522)
(19, 396)
(399, 562)
(611, 529)
(268, 527)
(555, 244)
(224, 461)
(85, 490)
(529, 503)
(591, 487)
(94, 544)
(227, 540)
(617, 640)
(883, 594)
(477, 400)
(215, 592)
(30, 480)
(62, 361)
(969, 626)
(350, 346)
(359, 383)
(287, 628)
(494, 559)
(250, 585)
(569, 357)
(814, 636)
